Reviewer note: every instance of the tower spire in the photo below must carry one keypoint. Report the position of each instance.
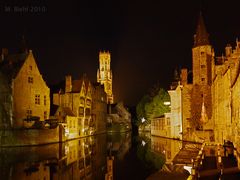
(23, 45)
(201, 36)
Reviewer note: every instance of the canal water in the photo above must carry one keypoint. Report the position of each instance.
(135, 157)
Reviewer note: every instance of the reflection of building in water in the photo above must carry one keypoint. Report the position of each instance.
(31, 170)
(27, 162)
(78, 159)
(168, 147)
(119, 144)
(82, 159)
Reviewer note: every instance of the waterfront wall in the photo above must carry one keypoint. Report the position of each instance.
(25, 137)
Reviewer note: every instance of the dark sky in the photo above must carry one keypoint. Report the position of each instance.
(147, 39)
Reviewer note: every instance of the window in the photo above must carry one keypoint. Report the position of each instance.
(45, 100)
(203, 66)
(30, 79)
(202, 53)
(30, 67)
(80, 111)
(203, 79)
(45, 114)
(82, 100)
(37, 99)
(87, 113)
(88, 102)
(29, 113)
(81, 163)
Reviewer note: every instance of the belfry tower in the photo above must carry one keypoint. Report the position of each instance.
(202, 66)
(104, 74)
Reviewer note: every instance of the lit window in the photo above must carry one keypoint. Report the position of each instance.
(81, 111)
(37, 99)
(30, 79)
(29, 113)
(45, 114)
(45, 100)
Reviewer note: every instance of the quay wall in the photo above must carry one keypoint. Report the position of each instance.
(24, 137)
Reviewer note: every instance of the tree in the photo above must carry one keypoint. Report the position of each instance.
(140, 109)
(151, 106)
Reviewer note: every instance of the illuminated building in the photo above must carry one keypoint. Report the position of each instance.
(104, 74)
(99, 107)
(24, 95)
(210, 107)
(77, 97)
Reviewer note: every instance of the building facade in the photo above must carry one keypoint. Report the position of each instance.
(104, 74)
(99, 107)
(77, 96)
(209, 106)
(24, 95)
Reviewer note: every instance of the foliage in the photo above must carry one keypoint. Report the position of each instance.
(140, 109)
(151, 160)
(152, 105)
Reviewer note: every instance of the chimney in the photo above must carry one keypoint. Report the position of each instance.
(4, 53)
(184, 76)
(228, 50)
(68, 84)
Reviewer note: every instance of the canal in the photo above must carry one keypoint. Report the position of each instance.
(135, 157)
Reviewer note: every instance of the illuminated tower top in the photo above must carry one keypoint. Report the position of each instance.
(104, 74)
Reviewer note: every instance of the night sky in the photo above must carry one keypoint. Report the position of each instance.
(147, 39)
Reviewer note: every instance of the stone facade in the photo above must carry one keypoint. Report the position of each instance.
(104, 74)
(118, 118)
(99, 108)
(226, 90)
(161, 126)
(209, 106)
(176, 112)
(77, 96)
(24, 94)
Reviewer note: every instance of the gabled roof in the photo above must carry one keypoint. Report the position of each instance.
(67, 111)
(77, 85)
(12, 64)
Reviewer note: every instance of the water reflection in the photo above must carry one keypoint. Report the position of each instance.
(77, 159)
(86, 158)
(177, 155)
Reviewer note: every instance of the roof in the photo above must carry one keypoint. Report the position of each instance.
(201, 36)
(67, 111)
(53, 109)
(12, 64)
(77, 85)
